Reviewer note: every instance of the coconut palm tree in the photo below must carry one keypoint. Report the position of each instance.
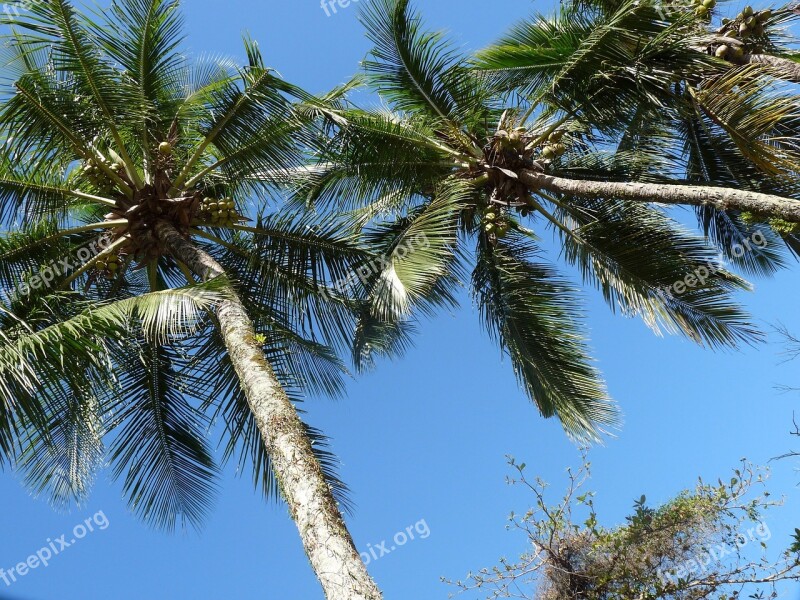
(453, 158)
(704, 96)
(149, 291)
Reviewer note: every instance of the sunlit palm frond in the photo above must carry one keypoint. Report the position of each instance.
(62, 460)
(417, 254)
(418, 70)
(754, 114)
(76, 51)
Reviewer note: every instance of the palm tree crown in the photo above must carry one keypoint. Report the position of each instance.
(556, 127)
(110, 131)
(195, 302)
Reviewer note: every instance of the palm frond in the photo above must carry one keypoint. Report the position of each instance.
(417, 254)
(373, 155)
(63, 459)
(289, 268)
(238, 110)
(534, 316)
(553, 61)
(76, 51)
(418, 71)
(713, 158)
(160, 445)
(144, 37)
(637, 257)
(746, 105)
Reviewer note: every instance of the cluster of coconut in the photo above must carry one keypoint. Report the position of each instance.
(494, 222)
(220, 212)
(780, 226)
(94, 172)
(747, 23)
(784, 228)
(731, 53)
(513, 141)
(109, 265)
(554, 148)
(703, 8)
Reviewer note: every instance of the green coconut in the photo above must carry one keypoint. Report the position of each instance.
(784, 228)
(165, 148)
(721, 51)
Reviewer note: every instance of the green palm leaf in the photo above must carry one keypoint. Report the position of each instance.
(144, 37)
(535, 317)
(62, 459)
(608, 244)
(159, 443)
(417, 70)
(713, 157)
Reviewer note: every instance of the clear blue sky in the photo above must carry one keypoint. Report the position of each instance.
(425, 438)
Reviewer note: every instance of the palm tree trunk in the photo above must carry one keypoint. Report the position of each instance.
(695, 195)
(783, 68)
(327, 542)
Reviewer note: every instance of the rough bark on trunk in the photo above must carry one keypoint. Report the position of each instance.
(695, 195)
(327, 542)
(783, 68)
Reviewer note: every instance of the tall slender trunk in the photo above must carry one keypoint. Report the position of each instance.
(695, 195)
(327, 542)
